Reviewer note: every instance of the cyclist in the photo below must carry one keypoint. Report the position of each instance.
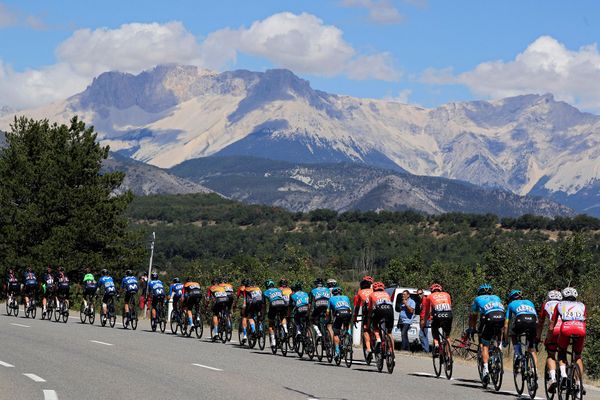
(573, 314)
(319, 303)
(286, 291)
(331, 283)
(12, 284)
(490, 309)
(438, 307)
(277, 307)
(224, 282)
(525, 322)
(48, 288)
(106, 282)
(299, 306)
(380, 308)
(253, 305)
(361, 304)
(175, 293)
(341, 314)
(551, 343)
(29, 285)
(129, 284)
(63, 286)
(241, 292)
(157, 290)
(89, 287)
(191, 296)
(217, 296)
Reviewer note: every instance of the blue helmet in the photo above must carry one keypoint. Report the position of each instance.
(514, 294)
(269, 283)
(485, 288)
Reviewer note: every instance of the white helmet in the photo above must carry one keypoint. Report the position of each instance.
(554, 295)
(569, 292)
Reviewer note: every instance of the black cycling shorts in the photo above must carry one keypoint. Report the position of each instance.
(14, 288)
(157, 299)
(317, 312)
(275, 310)
(129, 294)
(342, 318)
(525, 324)
(218, 307)
(89, 290)
(301, 316)
(107, 296)
(383, 313)
(441, 320)
(191, 299)
(29, 290)
(63, 291)
(491, 325)
(253, 309)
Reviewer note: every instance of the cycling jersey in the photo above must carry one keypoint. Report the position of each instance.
(48, 281)
(228, 289)
(192, 294)
(339, 303)
(286, 292)
(253, 301)
(130, 284)
(380, 309)
(29, 279)
(89, 284)
(320, 296)
(520, 307)
(342, 312)
(438, 307)
(525, 320)
(176, 290)
(108, 284)
(574, 316)
(547, 312)
(438, 303)
(276, 303)
(13, 283)
(217, 293)
(491, 312)
(299, 301)
(156, 288)
(63, 284)
(486, 304)
(379, 300)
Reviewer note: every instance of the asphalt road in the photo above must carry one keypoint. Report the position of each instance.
(75, 361)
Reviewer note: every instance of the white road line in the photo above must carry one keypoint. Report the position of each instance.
(35, 378)
(21, 325)
(207, 367)
(7, 365)
(104, 343)
(50, 395)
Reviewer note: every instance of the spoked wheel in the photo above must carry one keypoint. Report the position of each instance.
(198, 325)
(174, 323)
(349, 351)
(26, 310)
(367, 355)
(497, 370)
(252, 340)
(113, 320)
(124, 321)
(437, 357)
(448, 360)
(531, 378)
(92, 315)
(223, 330)
(16, 308)
(229, 328)
(283, 342)
(319, 348)
(299, 346)
(480, 368)
(162, 320)
(379, 358)
(309, 344)
(240, 333)
(519, 375)
(549, 396)
(390, 357)
(33, 310)
(82, 315)
(65, 312)
(262, 339)
(9, 308)
(133, 319)
(57, 313)
(103, 319)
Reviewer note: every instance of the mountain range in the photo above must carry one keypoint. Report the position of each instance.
(529, 144)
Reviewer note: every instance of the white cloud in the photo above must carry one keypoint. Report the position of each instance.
(7, 17)
(402, 97)
(546, 66)
(377, 66)
(380, 11)
(10, 18)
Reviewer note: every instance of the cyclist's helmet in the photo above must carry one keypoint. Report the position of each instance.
(245, 282)
(283, 282)
(569, 293)
(436, 287)
(222, 279)
(188, 279)
(318, 282)
(378, 286)
(104, 272)
(368, 278)
(514, 294)
(296, 287)
(175, 280)
(249, 282)
(554, 295)
(128, 272)
(486, 288)
(269, 283)
(336, 291)
(29, 269)
(61, 269)
(214, 281)
(331, 283)
(366, 282)
(49, 268)
(154, 276)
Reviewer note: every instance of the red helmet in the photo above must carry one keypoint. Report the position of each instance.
(378, 286)
(436, 287)
(367, 278)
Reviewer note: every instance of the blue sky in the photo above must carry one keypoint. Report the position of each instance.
(419, 51)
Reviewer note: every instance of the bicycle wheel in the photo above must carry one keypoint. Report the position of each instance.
(338, 360)
(229, 327)
(437, 357)
(261, 336)
(16, 308)
(103, 319)
(319, 347)
(480, 367)
(390, 359)
(222, 330)
(82, 315)
(531, 376)
(368, 358)
(519, 375)
(57, 313)
(92, 314)
(283, 341)
(198, 324)
(448, 359)
(162, 319)
(299, 345)
(497, 369)
(576, 383)
(133, 319)
(309, 343)
(174, 322)
(33, 309)
(379, 357)
(65, 312)
(549, 396)
(349, 352)
(8, 308)
(328, 345)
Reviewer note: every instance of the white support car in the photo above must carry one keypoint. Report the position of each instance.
(415, 328)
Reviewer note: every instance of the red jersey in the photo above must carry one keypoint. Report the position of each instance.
(378, 299)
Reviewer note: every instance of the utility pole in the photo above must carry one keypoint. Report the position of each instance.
(149, 271)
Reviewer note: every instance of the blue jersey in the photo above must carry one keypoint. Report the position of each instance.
(29, 279)
(130, 284)
(176, 290)
(338, 303)
(299, 299)
(520, 307)
(107, 283)
(486, 304)
(320, 296)
(274, 296)
(156, 288)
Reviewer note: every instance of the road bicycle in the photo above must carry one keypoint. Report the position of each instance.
(442, 356)
(160, 321)
(110, 316)
(176, 320)
(324, 342)
(130, 318)
(31, 308)
(346, 350)
(62, 310)
(495, 365)
(303, 342)
(573, 387)
(48, 312)
(258, 336)
(386, 350)
(12, 305)
(525, 371)
(197, 327)
(87, 311)
(281, 338)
